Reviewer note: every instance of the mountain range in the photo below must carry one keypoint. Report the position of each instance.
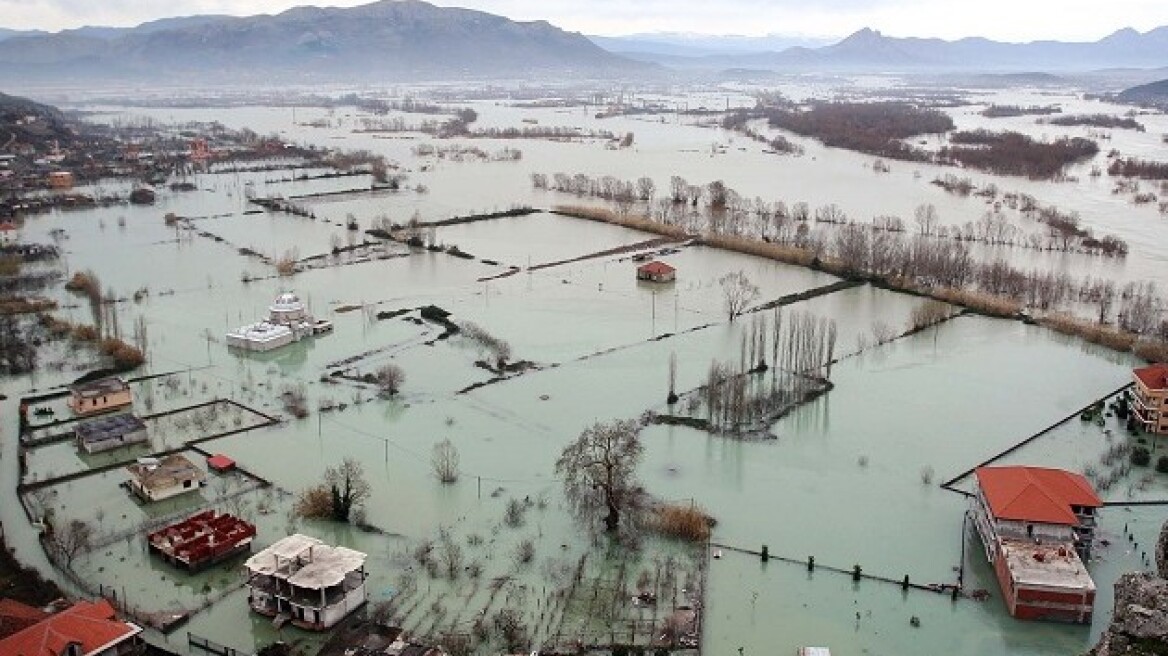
(404, 40)
(389, 39)
(869, 50)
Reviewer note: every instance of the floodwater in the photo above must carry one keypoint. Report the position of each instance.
(843, 481)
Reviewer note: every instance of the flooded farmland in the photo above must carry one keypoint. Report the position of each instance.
(850, 478)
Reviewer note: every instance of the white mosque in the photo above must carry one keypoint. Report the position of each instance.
(288, 321)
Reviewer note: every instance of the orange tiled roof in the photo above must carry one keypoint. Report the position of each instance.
(656, 268)
(15, 616)
(1153, 376)
(1035, 494)
(93, 626)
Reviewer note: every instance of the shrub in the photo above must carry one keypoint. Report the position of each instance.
(1140, 456)
(685, 522)
(1162, 465)
(315, 503)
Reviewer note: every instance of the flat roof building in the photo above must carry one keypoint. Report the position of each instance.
(305, 581)
(110, 432)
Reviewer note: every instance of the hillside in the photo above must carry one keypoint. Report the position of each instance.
(389, 39)
(1154, 93)
(25, 122)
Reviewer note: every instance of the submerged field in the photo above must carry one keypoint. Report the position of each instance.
(850, 478)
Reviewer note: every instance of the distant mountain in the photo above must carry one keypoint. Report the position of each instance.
(869, 50)
(6, 33)
(1154, 93)
(673, 44)
(385, 40)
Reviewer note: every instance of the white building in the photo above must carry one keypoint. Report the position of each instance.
(305, 581)
(288, 321)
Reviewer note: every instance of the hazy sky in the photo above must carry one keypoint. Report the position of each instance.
(1007, 20)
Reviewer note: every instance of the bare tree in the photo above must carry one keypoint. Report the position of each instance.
(738, 292)
(645, 188)
(390, 378)
(444, 459)
(449, 554)
(926, 218)
(599, 471)
(75, 538)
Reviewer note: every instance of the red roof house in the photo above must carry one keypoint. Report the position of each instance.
(1154, 377)
(1037, 525)
(1036, 494)
(15, 616)
(89, 629)
(656, 271)
(1149, 398)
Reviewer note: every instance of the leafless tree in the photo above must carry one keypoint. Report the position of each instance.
(72, 540)
(738, 292)
(444, 460)
(927, 219)
(390, 378)
(645, 188)
(599, 472)
(449, 553)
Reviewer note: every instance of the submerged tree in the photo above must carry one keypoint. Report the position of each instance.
(445, 461)
(71, 540)
(738, 292)
(599, 472)
(390, 378)
(344, 488)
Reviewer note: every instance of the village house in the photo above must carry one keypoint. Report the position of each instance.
(83, 629)
(1037, 526)
(1149, 398)
(303, 580)
(110, 432)
(202, 540)
(154, 479)
(99, 396)
(60, 180)
(656, 271)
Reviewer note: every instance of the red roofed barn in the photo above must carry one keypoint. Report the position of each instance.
(83, 629)
(1037, 526)
(1149, 399)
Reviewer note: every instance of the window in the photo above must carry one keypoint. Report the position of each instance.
(187, 483)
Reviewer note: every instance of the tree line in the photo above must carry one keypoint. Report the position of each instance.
(927, 258)
(874, 128)
(1013, 153)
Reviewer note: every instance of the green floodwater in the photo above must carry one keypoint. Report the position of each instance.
(842, 481)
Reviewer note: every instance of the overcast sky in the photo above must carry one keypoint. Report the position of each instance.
(1006, 20)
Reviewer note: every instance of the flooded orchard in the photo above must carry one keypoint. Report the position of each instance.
(849, 479)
